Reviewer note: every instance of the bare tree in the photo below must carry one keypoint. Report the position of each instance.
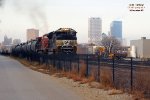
(110, 44)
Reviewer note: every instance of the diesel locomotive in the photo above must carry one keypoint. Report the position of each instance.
(63, 40)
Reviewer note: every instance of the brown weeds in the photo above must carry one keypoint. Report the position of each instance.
(106, 77)
(115, 91)
(142, 83)
(82, 72)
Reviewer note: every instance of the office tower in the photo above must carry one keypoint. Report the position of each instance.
(32, 34)
(116, 29)
(94, 30)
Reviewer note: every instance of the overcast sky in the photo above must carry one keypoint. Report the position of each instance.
(48, 15)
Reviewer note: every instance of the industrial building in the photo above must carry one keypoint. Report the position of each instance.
(94, 30)
(32, 34)
(140, 48)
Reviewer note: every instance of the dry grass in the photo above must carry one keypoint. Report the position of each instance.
(82, 72)
(138, 95)
(142, 78)
(115, 91)
(106, 77)
(24, 62)
(142, 83)
(78, 77)
(81, 77)
(37, 67)
(95, 85)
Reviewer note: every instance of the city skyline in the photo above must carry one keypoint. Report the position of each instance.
(52, 15)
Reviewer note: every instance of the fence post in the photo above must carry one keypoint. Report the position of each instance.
(70, 65)
(59, 62)
(41, 58)
(54, 60)
(87, 67)
(131, 74)
(38, 58)
(113, 69)
(98, 69)
(78, 64)
(64, 64)
(46, 61)
(50, 61)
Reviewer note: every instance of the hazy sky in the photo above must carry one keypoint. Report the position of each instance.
(48, 15)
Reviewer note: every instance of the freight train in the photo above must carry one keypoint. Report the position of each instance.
(63, 40)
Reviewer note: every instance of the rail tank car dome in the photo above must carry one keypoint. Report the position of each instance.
(24, 47)
(29, 46)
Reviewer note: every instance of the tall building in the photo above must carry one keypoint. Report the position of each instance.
(116, 29)
(16, 41)
(32, 34)
(94, 30)
(124, 42)
(7, 41)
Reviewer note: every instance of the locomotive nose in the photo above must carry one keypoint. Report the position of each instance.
(67, 49)
(66, 42)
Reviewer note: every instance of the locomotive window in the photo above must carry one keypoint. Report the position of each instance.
(50, 35)
(66, 38)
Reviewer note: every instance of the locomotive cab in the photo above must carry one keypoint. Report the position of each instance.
(63, 40)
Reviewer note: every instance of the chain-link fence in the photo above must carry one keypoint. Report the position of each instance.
(128, 74)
